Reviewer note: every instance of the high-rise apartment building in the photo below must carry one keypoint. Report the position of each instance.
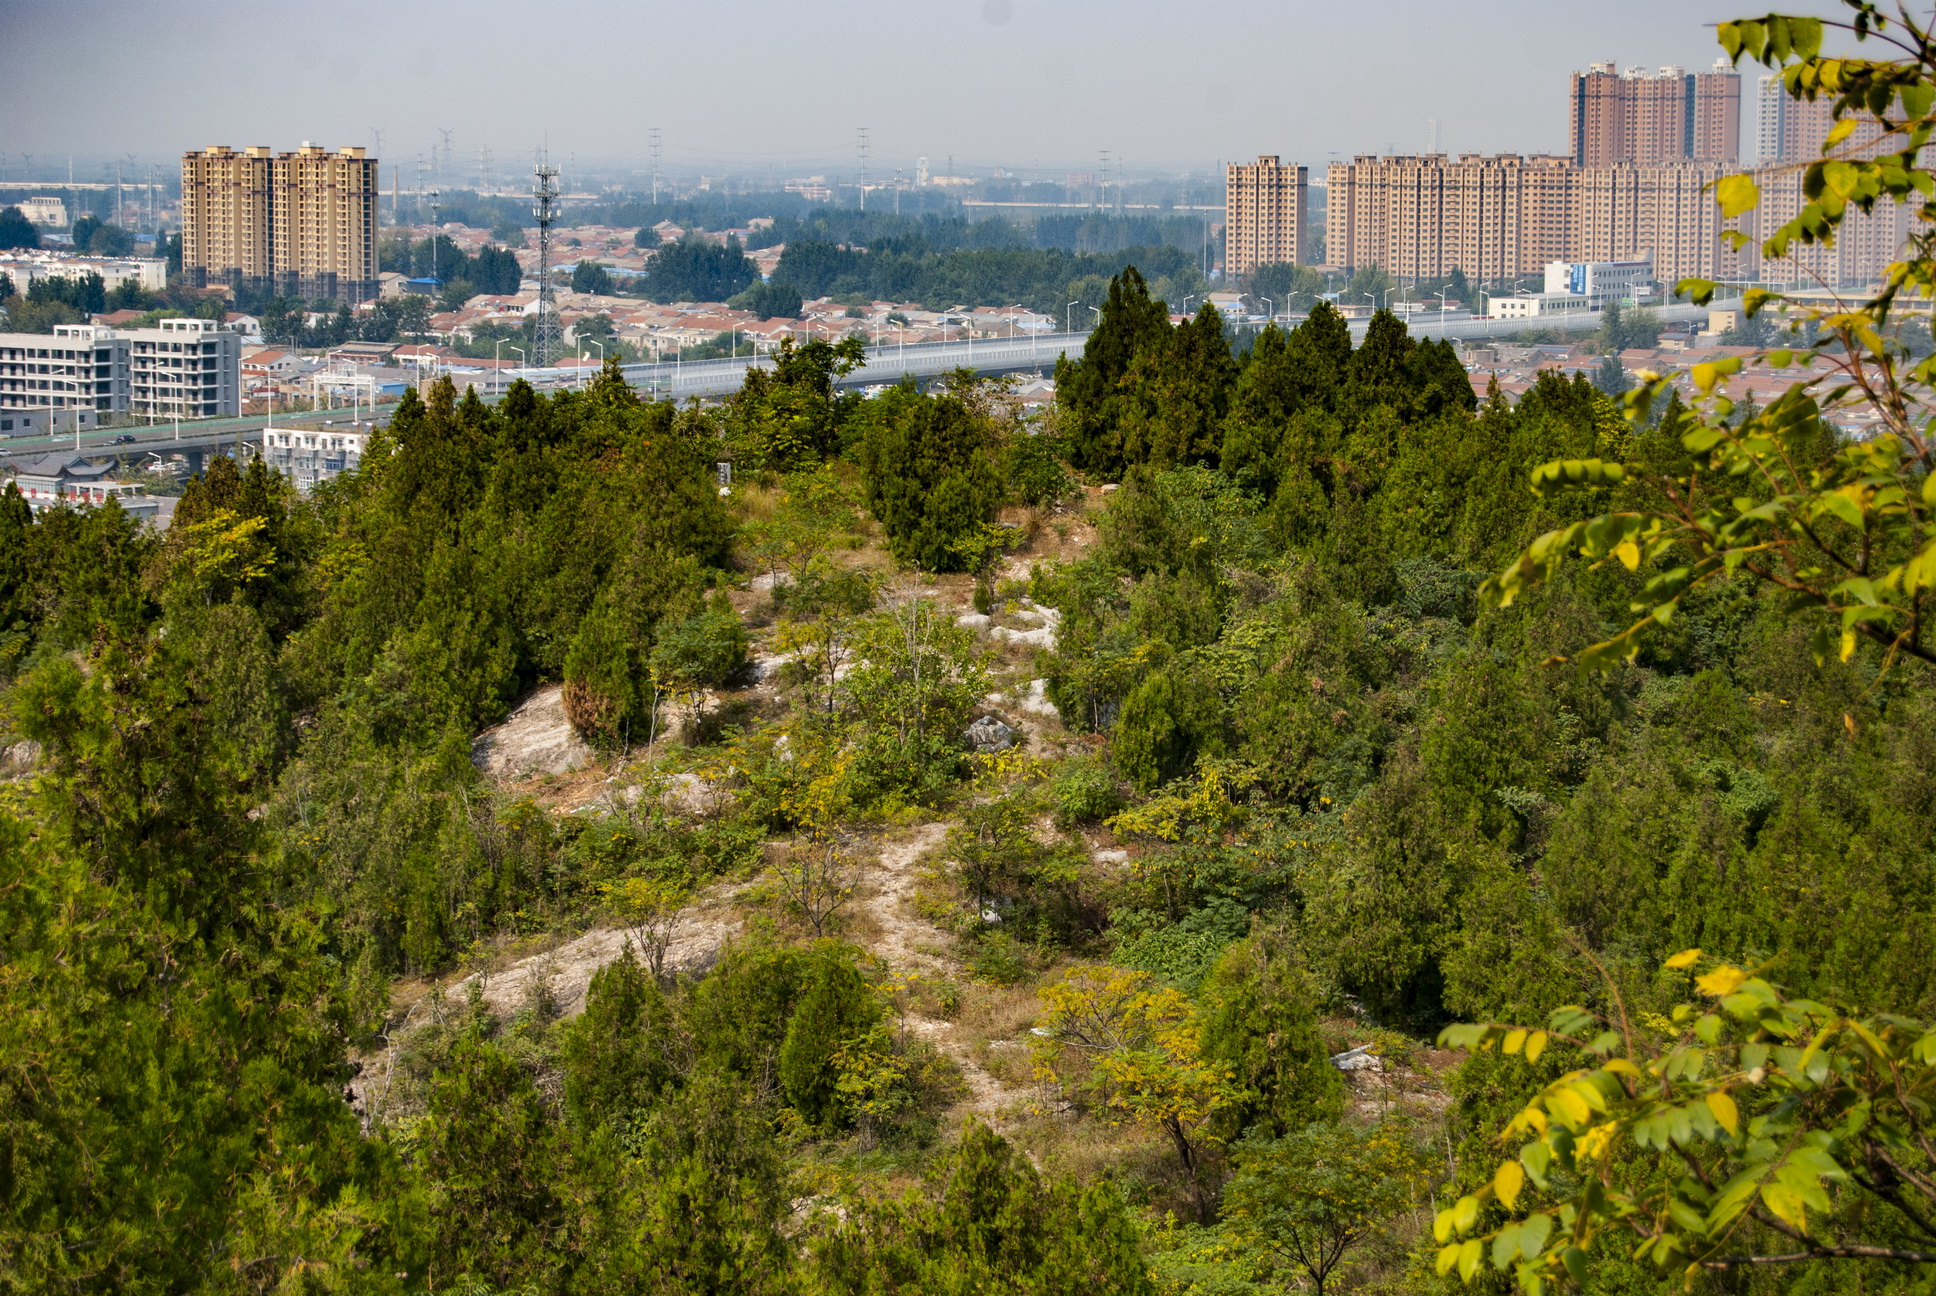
(1652, 117)
(1264, 215)
(1792, 133)
(1498, 218)
(298, 224)
(1717, 114)
(1794, 130)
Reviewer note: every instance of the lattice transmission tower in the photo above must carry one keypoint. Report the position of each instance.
(861, 151)
(547, 339)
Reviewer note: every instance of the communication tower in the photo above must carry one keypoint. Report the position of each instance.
(546, 337)
(655, 166)
(860, 148)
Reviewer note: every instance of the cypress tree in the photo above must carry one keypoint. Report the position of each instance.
(835, 1008)
(1087, 389)
(1380, 372)
(1190, 376)
(930, 478)
(1317, 354)
(1260, 1020)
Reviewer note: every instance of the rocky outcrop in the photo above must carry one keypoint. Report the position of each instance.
(536, 738)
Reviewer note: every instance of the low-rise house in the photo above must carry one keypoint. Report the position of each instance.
(67, 480)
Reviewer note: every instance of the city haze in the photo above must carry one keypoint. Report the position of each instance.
(1037, 88)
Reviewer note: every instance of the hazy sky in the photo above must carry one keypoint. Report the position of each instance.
(757, 84)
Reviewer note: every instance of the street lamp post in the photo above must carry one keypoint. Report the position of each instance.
(1067, 316)
(601, 361)
(1270, 310)
(497, 370)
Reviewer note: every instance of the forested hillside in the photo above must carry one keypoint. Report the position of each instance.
(1274, 822)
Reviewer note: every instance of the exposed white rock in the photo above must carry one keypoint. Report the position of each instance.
(1357, 1059)
(535, 738)
(1043, 636)
(1035, 700)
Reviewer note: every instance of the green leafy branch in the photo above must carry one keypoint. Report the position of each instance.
(1755, 1110)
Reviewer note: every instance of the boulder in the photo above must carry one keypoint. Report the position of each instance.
(990, 735)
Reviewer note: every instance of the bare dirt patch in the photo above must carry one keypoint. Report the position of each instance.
(912, 946)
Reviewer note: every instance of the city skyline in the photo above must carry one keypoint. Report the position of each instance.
(1038, 89)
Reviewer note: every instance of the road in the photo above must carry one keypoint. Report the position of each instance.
(163, 438)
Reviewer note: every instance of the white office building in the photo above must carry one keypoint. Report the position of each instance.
(1600, 282)
(76, 367)
(1536, 305)
(184, 368)
(44, 211)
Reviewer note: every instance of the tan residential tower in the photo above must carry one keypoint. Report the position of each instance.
(297, 224)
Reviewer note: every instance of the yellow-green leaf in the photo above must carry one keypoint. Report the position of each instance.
(1448, 1256)
(1571, 1106)
(1786, 1204)
(1724, 1110)
(1507, 1180)
(1470, 1253)
(1535, 1045)
(1723, 980)
(1736, 194)
(1686, 958)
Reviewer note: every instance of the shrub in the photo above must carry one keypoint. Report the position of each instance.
(704, 650)
(1084, 791)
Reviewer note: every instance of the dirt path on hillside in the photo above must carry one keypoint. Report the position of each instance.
(911, 945)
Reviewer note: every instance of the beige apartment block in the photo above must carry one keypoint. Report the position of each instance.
(302, 223)
(1648, 117)
(325, 222)
(225, 215)
(1717, 114)
(1265, 215)
(1864, 246)
(1498, 218)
